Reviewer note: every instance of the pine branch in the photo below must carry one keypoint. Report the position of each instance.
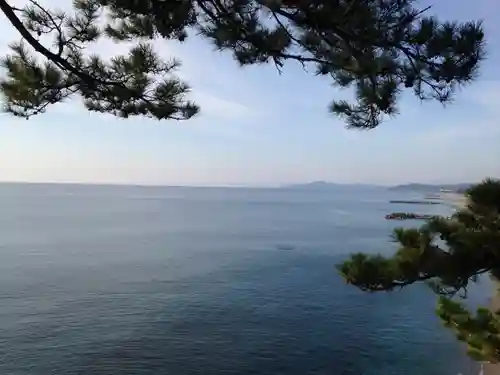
(37, 46)
(377, 48)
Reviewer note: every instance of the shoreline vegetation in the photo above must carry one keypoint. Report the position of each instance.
(451, 253)
(459, 201)
(493, 368)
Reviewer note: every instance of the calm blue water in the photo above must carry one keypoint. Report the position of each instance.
(136, 281)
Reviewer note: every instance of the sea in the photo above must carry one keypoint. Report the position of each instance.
(129, 280)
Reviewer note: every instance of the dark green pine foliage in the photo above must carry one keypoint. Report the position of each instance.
(448, 253)
(40, 74)
(377, 47)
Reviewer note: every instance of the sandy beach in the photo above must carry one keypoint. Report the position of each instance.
(455, 200)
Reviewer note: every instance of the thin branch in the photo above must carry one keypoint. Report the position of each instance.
(341, 33)
(61, 62)
(303, 59)
(402, 284)
(70, 41)
(56, 25)
(275, 16)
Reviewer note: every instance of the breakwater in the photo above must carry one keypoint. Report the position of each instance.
(414, 202)
(408, 216)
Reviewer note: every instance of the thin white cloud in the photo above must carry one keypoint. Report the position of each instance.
(216, 107)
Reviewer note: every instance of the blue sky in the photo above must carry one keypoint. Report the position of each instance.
(260, 128)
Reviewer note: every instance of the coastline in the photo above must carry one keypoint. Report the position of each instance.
(455, 200)
(459, 201)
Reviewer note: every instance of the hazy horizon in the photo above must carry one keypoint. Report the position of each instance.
(284, 185)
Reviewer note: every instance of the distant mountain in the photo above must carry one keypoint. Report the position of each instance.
(312, 185)
(428, 188)
(323, 185)
(422, 188)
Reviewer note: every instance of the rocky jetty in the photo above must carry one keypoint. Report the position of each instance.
(408, 216)
(415, 202)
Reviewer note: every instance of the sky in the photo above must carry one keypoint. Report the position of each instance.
(260, 128)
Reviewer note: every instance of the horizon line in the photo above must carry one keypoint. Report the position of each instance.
(221, 186)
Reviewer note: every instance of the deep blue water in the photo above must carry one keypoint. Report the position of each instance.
(135, 281)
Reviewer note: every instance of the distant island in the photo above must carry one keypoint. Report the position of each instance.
(312, 185)
(324, 185)
(429, 188)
